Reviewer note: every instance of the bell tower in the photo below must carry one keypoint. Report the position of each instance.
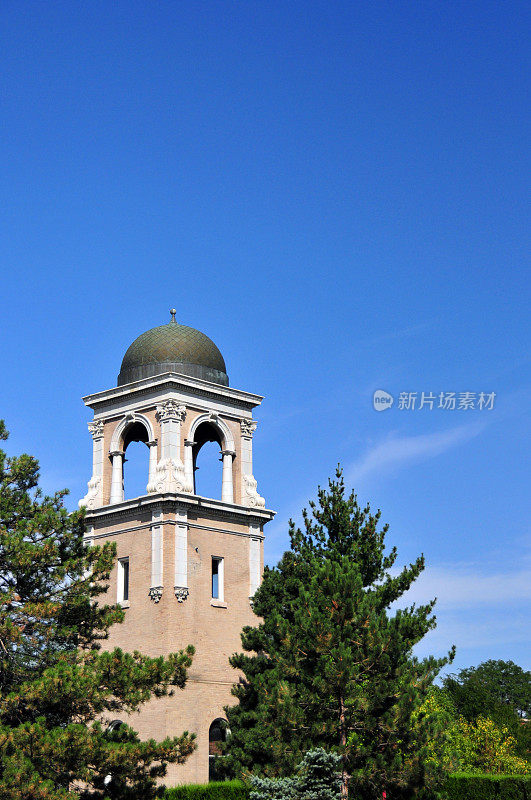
(187, 565)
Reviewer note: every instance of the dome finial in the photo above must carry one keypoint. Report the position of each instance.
(173, 312)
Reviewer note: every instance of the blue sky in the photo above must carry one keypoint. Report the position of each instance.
(335, 193)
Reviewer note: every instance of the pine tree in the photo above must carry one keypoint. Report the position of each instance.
(329, 665)
(58, 688)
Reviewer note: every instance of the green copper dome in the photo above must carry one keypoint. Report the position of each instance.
(173, 348)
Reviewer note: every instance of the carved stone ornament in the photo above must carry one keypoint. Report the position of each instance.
(248, 427)
(92, 498)
(95, 427)
(156, 593)
(181, 593)
(250, 494)
(169, 477)
(171, 409)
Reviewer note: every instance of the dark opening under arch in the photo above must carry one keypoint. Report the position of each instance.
(136, 460)
(217, 734)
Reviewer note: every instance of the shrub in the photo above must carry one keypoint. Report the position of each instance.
(464, 786)
(222, 790)
(317, 778)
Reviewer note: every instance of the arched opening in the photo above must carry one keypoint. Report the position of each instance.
(217, 734)
(207, 458)
(115, 725)
(136, 461)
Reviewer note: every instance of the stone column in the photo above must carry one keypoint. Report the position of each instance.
(169, 474)
(181, 556)
(152, 461)
(88, 541)
(189, 462)
(94, 496)
(171, 414)
(117, 479)
(155, 591)
(255, 573)
(248, 427)
(227, 489)
(249, 492)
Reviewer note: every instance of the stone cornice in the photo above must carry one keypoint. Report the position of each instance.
(146, 526)
(172, 380)
(170, 501)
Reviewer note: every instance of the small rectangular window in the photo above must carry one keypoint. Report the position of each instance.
(217, 578)
(123, 580)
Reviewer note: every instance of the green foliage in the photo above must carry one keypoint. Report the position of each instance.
(480, 745)
(224, 790)
(485, 747)
(328, 666)
(272, 789)
(57, 688)
(463, 786)
(499, 690)
(318, 778)
(491, 690)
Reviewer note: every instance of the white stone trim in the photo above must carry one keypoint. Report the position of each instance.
(117, 477)
(94, 495)
(215, 420)
(155, 593)
(248, 427)
(189, 462)
(129, 419)
(231, 512)
(153, 448)
(255, 573)
(181, 557)
(250, 496)
(227, 486)
(157, 549)
(147, 526)
(183, 383)
(169, 474)
(249, 491)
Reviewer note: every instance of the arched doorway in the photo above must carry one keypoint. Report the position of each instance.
(217, 734)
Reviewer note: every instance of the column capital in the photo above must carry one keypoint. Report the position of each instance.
(248, 427)
(181, 593)
(153, 443)
(113, 453)
(189, 442)
(95, 427)
(228, 453)
(156, 593)
(171, 409)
